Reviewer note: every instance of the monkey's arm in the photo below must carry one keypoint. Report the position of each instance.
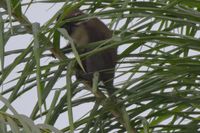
(67, 49)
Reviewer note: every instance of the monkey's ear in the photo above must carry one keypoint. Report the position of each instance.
(73, 13)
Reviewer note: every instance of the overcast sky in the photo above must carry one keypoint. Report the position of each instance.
(24, 105)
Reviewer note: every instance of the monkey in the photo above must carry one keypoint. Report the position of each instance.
(89, 31)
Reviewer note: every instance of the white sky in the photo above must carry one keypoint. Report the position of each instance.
(39, 13)
(24, 105)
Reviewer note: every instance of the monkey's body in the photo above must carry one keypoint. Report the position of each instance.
(86, 32)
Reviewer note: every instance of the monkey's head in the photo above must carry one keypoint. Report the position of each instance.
(70, 26)
(75, 13)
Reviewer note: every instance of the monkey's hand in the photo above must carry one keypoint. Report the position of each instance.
(65, 50)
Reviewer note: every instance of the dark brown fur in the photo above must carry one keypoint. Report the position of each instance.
(86, 32)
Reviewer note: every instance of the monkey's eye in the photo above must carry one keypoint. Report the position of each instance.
(70, 27)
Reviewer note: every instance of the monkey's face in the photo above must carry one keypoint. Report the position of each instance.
(71, 26)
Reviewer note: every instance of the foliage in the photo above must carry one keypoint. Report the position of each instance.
(157, 74)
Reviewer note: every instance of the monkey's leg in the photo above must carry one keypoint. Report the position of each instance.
(107, 78)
